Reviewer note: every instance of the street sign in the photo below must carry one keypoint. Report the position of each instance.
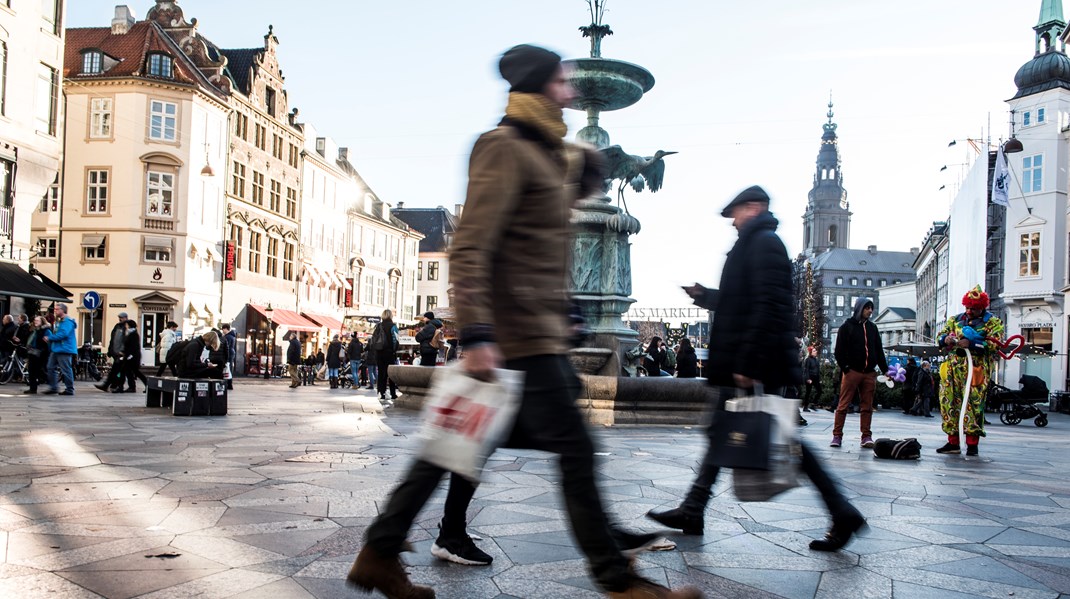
(91, 300)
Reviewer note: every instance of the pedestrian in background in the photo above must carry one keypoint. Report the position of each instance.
(168, 337)
(334, 360)
(752, 325)
(293, 360)
(37, 354)
(115, 350)
(924, 391)
(384, 343)
(63, 349)
(859, 353)
(428, 352)
(654, 360)
(686, 360)
(355, 352)
(812, 374)
(131, 359)
(230, 341)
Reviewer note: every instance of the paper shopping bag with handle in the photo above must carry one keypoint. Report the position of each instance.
(466, 419)
(783, 452)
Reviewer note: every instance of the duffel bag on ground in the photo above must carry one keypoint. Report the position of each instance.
(897, 449)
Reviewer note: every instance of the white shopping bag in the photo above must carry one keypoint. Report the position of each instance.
(226, 372)
(466, 419)
(785, 452)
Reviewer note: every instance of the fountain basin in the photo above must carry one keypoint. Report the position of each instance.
(607, 84)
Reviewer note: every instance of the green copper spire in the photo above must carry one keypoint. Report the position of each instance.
(1051, 11)
(1050, 26)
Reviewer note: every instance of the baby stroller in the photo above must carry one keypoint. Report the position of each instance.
(1016, 406)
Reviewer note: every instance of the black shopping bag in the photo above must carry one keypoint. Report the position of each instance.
(741, 440)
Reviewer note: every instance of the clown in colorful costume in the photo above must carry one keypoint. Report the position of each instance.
(976, 330)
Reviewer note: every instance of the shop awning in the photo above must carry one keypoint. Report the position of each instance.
(312, 276)
(158, 243)
(324, 321)
(345, 282)
(47, 281)
(16, 282)
(210, 248)
(287, 318)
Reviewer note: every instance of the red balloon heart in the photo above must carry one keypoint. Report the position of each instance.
(1006, 345)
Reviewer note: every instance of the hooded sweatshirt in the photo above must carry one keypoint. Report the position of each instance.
(858, 343)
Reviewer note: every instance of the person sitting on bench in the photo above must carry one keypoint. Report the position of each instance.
(192, 366)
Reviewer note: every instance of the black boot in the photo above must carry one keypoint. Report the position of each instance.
(679, 519)
(334, 382)
(844, 525)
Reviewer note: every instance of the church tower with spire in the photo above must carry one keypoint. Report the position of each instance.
(827, 220)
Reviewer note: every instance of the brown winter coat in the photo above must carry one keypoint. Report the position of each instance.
(509, 264)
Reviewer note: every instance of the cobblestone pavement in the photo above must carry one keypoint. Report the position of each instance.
(100, 496)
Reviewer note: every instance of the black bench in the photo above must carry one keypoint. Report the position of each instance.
(187, 397)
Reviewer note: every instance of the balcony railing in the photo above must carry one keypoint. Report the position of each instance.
(7, 217)
(159, 224)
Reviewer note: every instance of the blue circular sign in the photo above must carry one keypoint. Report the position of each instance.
(91, 300)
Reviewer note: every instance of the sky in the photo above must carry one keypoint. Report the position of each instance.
(741, 93)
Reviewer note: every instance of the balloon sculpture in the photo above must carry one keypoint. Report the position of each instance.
(896, 374)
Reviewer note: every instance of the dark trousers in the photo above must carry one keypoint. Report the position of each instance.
(35, 367)
(174, 370)
(383, 379)
(699, 495)
(548, 420)
(429, 358)
(115, 375)
(132, 370)
(814, 387)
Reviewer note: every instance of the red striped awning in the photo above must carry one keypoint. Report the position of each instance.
(287, 318)
(330, 322)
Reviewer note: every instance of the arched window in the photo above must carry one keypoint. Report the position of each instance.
(832, 235)
(832, 174)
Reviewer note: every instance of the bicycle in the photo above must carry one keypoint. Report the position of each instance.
(13, 368)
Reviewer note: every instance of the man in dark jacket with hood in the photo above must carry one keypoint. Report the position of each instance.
(858, 353)
(754, 343)
(293, 359)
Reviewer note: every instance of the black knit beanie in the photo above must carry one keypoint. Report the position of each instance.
(528, 68)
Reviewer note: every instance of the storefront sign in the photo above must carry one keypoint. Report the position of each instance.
(664, 313)
(1038, 325)
(229, 261)
(349, 294)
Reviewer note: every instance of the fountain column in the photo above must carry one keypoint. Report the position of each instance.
(601, 259)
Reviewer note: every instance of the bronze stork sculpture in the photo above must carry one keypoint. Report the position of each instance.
(638, 171)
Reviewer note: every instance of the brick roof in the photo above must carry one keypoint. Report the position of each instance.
(131, 51)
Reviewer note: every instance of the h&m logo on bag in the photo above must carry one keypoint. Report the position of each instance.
(464, 416)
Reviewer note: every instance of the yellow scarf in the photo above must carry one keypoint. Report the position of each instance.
(539, 112)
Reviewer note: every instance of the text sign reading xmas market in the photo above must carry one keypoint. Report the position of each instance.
(691, 313)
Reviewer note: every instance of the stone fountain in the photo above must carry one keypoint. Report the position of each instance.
(601, 261)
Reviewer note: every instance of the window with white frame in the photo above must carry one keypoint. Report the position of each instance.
(839, 301)
(395, 250)
(272, 266)
(3, 77)
(288, 261)
(48, 248)
(1033, 173)
(825, 300)
(869, 282)
(432, 302)
(159, 194)
(854, 280)
(96, 192)
(94, 248)
(163, 117)
(50, 13)
(291, 202)
(157, 249)
(100, 118)
(432, 271)
(380, 291)
(420, 270)
(393, 298)
(50, 203)
(92, 62)
(839, 280)
(258, 188)
(238, 180)
(47, 94)
(160, 65)
(369, 289)
(1041, 115)
(1029, 254)
(1027, 119)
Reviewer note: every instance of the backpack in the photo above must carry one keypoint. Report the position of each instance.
(897, 449)
(174, 353)
(378, 342)
(438, 340)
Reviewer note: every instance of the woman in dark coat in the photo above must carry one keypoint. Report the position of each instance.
(37, 354)
(686, 360)
(131, 358)
(334, 361)
(191, 366)
(654, 361)
(385, 345)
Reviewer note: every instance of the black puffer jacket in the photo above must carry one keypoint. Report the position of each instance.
(752, 330)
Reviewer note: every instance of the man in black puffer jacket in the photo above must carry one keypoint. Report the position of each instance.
(754, 343)
(858, 352)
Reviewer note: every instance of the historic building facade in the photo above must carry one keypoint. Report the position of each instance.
(142, 216)
(438, 226)
(31, 141)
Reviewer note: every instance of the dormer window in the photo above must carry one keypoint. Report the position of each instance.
(92, 62)
(160, 65)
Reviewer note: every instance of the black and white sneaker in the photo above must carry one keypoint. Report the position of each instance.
(460, 550)
(632, 544)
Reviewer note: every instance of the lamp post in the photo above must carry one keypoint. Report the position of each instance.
(269, 312)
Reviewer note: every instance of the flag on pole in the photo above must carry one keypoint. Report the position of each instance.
(1000, 180)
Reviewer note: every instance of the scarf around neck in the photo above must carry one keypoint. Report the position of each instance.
(540, 113)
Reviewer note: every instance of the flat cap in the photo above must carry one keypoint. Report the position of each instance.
(750, 194)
